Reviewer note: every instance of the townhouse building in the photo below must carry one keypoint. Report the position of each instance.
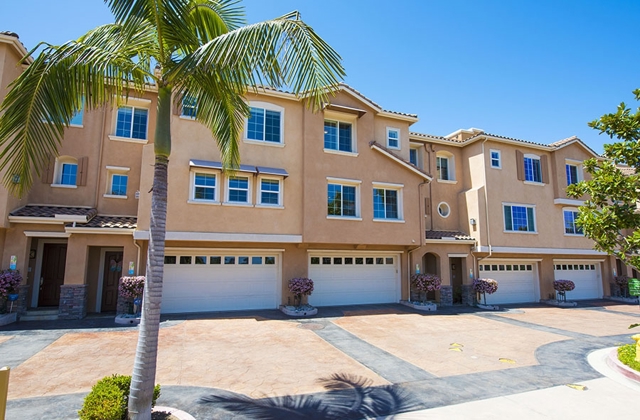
(347, 196)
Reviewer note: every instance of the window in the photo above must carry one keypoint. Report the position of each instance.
(519, 219)
(188, 107)
(342, 200)
(132, 122)
(204, 186)
(570, 226)
(532, 169)
(68, 174)
(573, 173)
(444, 210)
(117, 182)
(386, 203)
(495, 159)
(238, 189)
(264, 123)
(413, 156)
(77, 117)
(270, 192)
(442, 167)
(338, 136)
(393, 138)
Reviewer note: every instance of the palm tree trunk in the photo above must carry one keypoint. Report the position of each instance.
(144, 367)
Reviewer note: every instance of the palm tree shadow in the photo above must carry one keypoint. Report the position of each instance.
(347, 397)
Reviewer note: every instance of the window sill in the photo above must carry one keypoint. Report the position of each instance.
(63, 186)
(121, 197)
(267, 206)
(389, 220)
(393, 147)
(263, 143)
(538, 184)
(520, 231)
(575, 235)
(496, 167)
(340, 152)
(226, 203)
(76, 125)
(448, 181)
(184, 117)
(128, 139)
(206, 202)
(357, 219)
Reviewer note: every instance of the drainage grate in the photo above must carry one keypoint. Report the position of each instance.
(313, 326)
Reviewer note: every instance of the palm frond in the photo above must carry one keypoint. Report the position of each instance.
(43, 99)
(283, 51)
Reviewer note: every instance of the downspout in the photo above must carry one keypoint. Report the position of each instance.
(430, 152)
(135, 242)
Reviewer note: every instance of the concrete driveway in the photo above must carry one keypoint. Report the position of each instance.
(348, 362)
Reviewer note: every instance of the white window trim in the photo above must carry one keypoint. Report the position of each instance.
(535, 218)
(192, 186)
(499, 159)
(350, 183)
(395, 187)
(57, 171)
(345, 118)
(133, 102)
(448, 207)
(267, 106)
(249, 202)
(116, 170)
(259, 203)
(579, 169)
(573, 209)
(451, 167)
(399, 146)
(532, 156)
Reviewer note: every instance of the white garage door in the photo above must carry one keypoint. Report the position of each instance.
(585, 274)
(516, 281)
(214, 280)
(348, 279)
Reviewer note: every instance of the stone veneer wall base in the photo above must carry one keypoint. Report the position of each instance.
(23, 291)
(73, 301)
(446, 296)
(468, 295)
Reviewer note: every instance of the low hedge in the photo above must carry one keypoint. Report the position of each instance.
(109, 398)
(627, 355)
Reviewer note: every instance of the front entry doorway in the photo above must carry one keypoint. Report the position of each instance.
(456, 278)
(54, 258)
(110, 280)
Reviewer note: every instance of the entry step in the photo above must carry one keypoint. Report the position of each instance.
(40, 315)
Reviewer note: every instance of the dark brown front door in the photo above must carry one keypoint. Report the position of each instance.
(112, 273)
(54, 258)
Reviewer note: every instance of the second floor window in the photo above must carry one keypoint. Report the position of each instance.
(132, 122)
(570, 226)
(519, 219)
(69, 174)
(338, 135)
(341, 200)
(238, 189)
(495, 159)
(385, 204)
(532, 169)
(270, 192)
(204, 186)
(393, 138)
(188, 107)
(264, 125)
(119, 184)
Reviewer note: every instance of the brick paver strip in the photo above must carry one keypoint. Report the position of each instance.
(533, 326)
(388, 366)
(21, 347)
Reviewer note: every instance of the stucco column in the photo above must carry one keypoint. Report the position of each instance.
(73, 293)
(546, 276)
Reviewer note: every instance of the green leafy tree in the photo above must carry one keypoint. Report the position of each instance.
(610, 213)
(197, 49)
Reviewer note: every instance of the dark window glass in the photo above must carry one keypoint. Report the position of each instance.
(326, 260)
(169, 259)
(229, 260)
(215, 260)
(270, 260)
(348, 260)
(256, 260)
(243, 260)
(315, 260)
(359, 260)
(369, 260)
(185, 260)
(201, 260)
(337, 260)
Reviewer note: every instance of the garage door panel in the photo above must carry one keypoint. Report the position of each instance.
(584, 274)
(375, 280)
(514, 286)
(219, 286)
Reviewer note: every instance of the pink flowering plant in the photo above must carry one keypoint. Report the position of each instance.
(300, 286)
(425, 283)
(562, 287)
(9, 282)
(485, 286)
(131, 287)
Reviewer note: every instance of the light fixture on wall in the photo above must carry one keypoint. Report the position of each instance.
(472, 222)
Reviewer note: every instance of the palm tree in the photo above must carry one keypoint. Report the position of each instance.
(195, 49)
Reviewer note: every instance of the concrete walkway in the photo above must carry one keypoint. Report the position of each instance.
(349, 362)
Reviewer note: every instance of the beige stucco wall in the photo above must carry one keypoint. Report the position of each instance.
(78, 249)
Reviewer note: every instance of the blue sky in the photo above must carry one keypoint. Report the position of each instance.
(537, 70)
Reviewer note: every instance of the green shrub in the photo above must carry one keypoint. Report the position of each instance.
(109, 398)
(627, 355)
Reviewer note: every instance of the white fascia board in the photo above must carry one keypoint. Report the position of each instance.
(325, 252)
(450, 242)
(565, 260)
(103, 231)
(222, 237)
(193, 251)
(457, 255)
(69, 218)
(568, 202)
(45, 234)
(556, 251)
(37, 220)
(395, 116)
